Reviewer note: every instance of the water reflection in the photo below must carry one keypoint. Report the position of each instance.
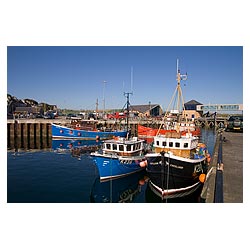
(120, 190)
(151, 197)
(71, 144)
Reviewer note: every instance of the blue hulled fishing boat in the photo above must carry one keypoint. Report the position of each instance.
(87, 130)
(120, 157)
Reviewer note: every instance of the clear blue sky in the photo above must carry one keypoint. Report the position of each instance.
(72, 77)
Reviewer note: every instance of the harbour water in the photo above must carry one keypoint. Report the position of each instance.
(56, 175)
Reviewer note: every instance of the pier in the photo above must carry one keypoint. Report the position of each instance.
(28, 134)
(211, 122)
(224, 183)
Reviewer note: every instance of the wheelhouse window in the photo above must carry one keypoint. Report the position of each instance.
(157, 143)
(164, 143)
(121, 148)
(108, 146)
(114, 147)
(177, 144)
(128, 147)
(171, 144)
(137, 146)
(185, 145)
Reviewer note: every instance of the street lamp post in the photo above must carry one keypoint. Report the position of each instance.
(104, 83)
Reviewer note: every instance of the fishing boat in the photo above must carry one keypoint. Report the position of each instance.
(120, 156)
(177, 166)
(147, 132)
(84, 130)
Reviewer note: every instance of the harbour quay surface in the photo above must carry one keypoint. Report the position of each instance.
(229, 171)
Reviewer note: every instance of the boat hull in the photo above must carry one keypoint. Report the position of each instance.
(62, 132)
(111, 167)
(171, 175)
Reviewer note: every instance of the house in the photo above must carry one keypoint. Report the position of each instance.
(146, 110)
(190, 109)
(27, 111)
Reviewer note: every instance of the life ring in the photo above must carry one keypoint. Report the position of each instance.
(78, 126)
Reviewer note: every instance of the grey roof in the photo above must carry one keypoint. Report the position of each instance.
(27, 109)
(143, 108)
(193, 102)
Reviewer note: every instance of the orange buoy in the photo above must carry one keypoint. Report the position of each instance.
(202, 178)
(143, 164)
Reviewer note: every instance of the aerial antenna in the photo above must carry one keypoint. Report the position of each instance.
(126, 94)
(131, 80)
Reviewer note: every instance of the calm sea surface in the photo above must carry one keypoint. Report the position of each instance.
(53, 175)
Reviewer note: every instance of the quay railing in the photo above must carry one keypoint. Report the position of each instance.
(218, 192)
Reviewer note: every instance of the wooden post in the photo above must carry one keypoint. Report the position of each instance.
(11, 135)
(25, 135)
(17, 136)
(43, 135)
(31, 136)
(37, 135)
(49, 135)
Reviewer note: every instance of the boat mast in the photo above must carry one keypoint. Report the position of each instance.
(127, 107)
(179, 91)
(127, 96)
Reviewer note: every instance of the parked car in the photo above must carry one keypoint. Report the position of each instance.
(73, 117)
(92, 116)
(49, 115)
(38, 116)
(235, 123)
